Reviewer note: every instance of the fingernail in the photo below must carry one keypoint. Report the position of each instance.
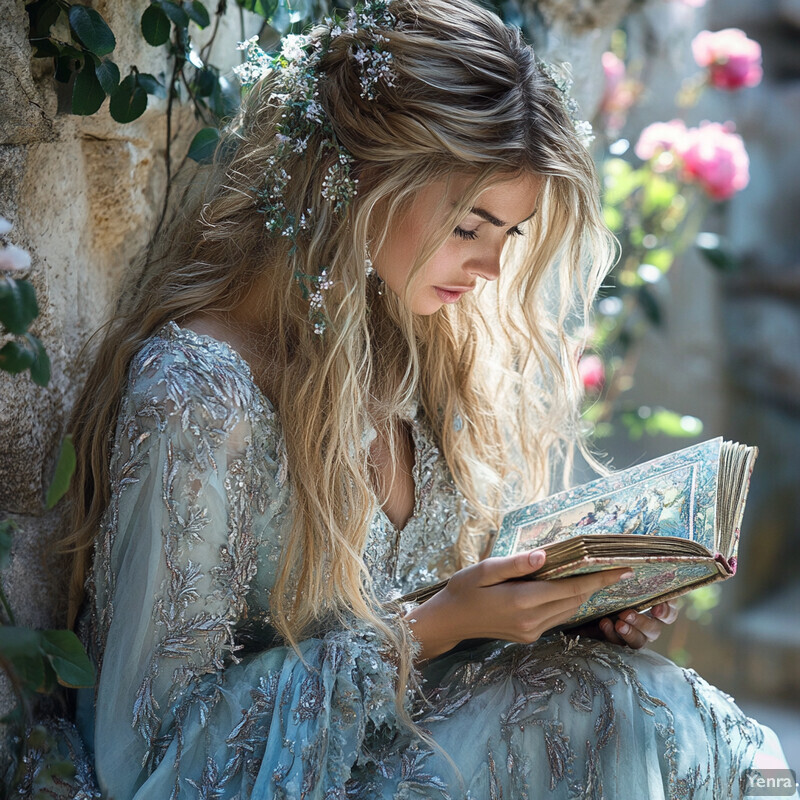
(624, 628)
(535, 556)
(630, 617)
(626, 575)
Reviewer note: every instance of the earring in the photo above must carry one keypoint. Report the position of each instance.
(369, 269)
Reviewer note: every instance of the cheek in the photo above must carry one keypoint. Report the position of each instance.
(441, 268)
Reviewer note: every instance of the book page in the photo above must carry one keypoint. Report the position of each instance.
(674, 495)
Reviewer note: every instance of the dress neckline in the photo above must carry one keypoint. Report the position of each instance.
(173, 330)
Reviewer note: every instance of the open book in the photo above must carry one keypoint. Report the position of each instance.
(674, 520)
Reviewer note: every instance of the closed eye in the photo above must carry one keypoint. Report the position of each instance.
(470, 235)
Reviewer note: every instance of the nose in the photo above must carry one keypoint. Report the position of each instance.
(486, 267)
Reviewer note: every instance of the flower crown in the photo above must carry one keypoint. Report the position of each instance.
(297, 72)
(297, 75)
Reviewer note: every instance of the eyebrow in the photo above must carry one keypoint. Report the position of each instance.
(484, 214)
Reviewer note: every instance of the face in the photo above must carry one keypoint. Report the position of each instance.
(471, 254)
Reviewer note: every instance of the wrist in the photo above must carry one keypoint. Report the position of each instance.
(432, 625)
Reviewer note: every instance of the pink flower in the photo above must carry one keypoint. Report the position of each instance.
(659, 139)
(614, 72)
(620, 92)
(592, 373)
(733, 60)
(716, 158)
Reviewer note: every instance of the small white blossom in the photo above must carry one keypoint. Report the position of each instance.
(14, 258)
(293, 47)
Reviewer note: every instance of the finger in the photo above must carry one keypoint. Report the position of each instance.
(633, 637)
(506, 568)
(649, 627)
(607, 628)
(582, 587)
(666, 612)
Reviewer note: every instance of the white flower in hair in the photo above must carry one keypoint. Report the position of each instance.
(303, 120)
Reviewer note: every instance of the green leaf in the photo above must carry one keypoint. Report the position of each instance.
(40, 369)
(42, 15)
(266, 8)
(205, 81)
(155, 26)
(129, 100)
(22, 648)
(658, 194)
(18, 306)
(225, 99)
(621, 183)
(64, 67)
(16, 357)
(613, 217)
(650, 305)
(45, 47)
(87, 91)
(6, 529)
(65, 467)
(108, 74)
(203, 145)
(175, 12)
(660, 421)
(91, 30)
(197, 13)
(151, 84)
(713, 250)
(670, 423)
(68, 658)
(661, 258)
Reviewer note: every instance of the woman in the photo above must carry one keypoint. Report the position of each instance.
(325, 390)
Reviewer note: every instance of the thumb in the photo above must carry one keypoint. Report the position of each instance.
(506, 568)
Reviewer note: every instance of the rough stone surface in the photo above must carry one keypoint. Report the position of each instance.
(83, 194)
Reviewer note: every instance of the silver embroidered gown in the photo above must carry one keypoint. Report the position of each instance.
(193, 701)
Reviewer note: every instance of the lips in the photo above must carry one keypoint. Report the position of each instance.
(450, 295)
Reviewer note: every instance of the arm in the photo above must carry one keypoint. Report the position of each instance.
(188, 545)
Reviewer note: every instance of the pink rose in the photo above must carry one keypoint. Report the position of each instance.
(716, 158)
(733, 60)
(592, 373)
(620, 91)
(659, 138)
(614, 72)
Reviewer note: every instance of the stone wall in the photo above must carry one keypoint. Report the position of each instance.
(83, 194)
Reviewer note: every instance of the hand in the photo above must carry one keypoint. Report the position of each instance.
(488, 600)
(630, 627)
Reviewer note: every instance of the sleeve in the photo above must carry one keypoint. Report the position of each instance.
(178, 714)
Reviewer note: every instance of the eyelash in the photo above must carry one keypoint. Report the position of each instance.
(470, 235)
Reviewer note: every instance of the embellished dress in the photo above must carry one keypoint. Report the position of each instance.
(194, 700)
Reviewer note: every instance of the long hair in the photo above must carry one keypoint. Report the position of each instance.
(496, 374)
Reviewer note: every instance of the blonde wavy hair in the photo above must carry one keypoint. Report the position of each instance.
(468, 99)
